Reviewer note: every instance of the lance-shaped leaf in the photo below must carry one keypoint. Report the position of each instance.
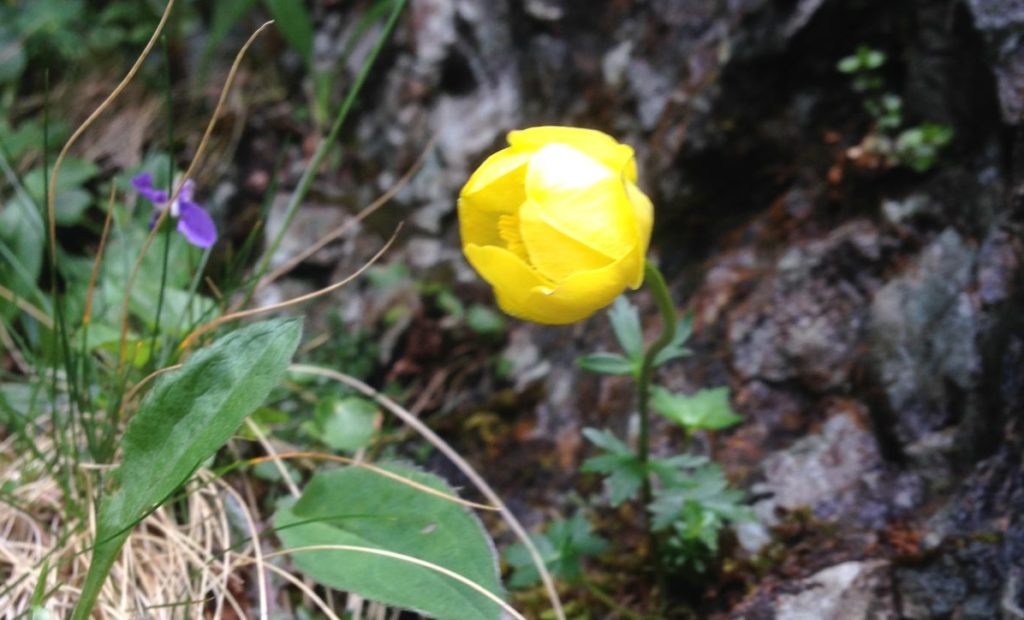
(187, 416)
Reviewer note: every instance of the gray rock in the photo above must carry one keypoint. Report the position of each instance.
(923, 328)
(847, 591)
(1000, 23)
(819, 468)
(805, 323)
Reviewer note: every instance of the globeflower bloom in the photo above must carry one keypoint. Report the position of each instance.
(556, 224)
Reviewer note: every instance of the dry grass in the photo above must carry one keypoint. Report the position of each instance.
(168, 558)
(200, 559)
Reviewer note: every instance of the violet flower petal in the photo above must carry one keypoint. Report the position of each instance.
(197, 225)
(143, 183)
(185, 195)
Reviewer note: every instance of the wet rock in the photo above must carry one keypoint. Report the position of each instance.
(923, 328)
(848, 591)
(805, 322)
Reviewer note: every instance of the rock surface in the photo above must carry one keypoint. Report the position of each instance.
(866, 316)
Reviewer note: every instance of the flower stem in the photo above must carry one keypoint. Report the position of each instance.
(656, 283)
(662, 297)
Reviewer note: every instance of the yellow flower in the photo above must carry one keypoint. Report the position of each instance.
(556, 224)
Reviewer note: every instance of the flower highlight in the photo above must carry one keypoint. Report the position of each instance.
(556, 224)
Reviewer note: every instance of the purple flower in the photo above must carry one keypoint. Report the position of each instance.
(193, 221)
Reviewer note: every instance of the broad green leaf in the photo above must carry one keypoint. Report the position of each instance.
(71, 200)
(606, 364)
(353, 506)
(703, 410)
(26, 137)
(626, 323)
(12, 55)
(187, 416)
(22, 243)
(191, 412)
(348, 424)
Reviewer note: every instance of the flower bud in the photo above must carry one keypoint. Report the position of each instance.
(556, 224)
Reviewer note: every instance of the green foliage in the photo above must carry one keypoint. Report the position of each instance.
(346, 424)
(485, 321)
(693, 501)
(863, 66)
(693, 509)
(607, 364)
(917, 147)
(624, 471)
(703, 410)
(353, 506)
(47, 31)
(562, 546)
(625, 320)
(186, 417)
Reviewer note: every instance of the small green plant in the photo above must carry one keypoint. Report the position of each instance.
(563, 546)
(692, 500)
(917, 147)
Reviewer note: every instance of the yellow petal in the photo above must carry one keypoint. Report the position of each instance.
(552, 252)
(596, 144)
(514, 281)
(578, 296)
(644, 212)
(497, 185)
(477, 226)
(583, 199)
(496, 188)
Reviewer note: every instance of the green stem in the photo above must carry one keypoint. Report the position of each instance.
(656, 282)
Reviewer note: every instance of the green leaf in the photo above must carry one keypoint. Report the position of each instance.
(562, 547)
(485, 321)
(703, 410)
(191, 412)
(187, 416)
(606, 364)
(707, 488)
(295, 24)
(348, 424)
(71, 200)
(849, 64)
(626, 323)
(524, 571)
(353, 506)
(12, 55)
(624, 471)
(675, 349)
(22, 242)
